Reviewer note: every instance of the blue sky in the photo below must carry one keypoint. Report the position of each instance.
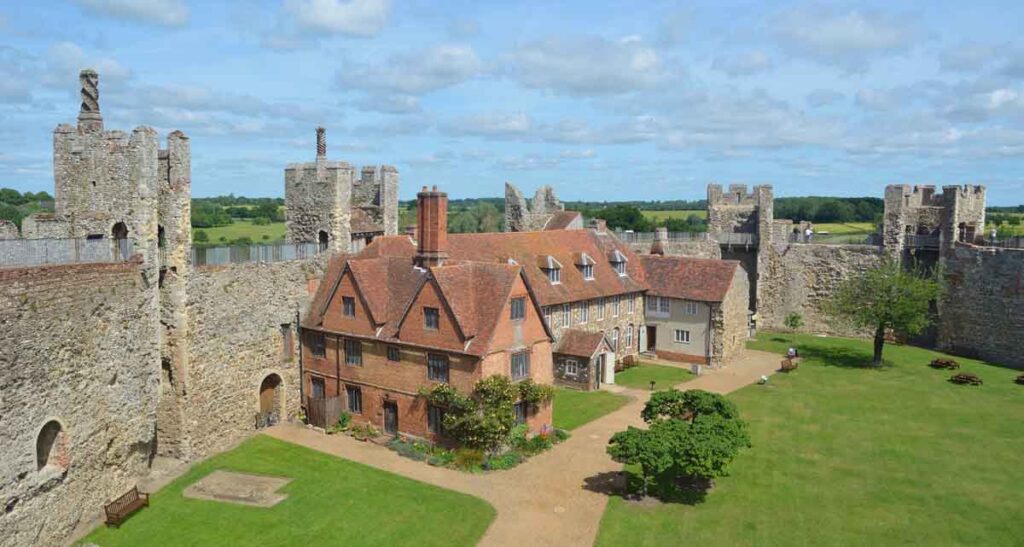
(615, 100)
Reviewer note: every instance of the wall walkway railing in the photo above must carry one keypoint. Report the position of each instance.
(921, 241)
(643, 237)
(836, 239)
(735, 238)
(276, 252)
(38, 252)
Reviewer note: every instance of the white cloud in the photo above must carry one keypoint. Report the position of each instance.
(16, 75)
(742, 63)
(414, 73)
(169, 13)
(877, 99)
(849, 39)
(66, 59)
(363, 18)
(588, 66)
(492, 125)
(394, 103)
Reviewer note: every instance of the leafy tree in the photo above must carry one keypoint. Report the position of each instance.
(887, 297)
(208, 215)
(793, 322)
(703, 448)
(648, 448)
(200, 236)
(672, 404)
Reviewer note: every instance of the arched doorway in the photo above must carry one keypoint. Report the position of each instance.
(271, 394)
(120, 235)
(51, 447)
(323, 238)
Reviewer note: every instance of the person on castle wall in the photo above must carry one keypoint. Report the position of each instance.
(994, 233)
(808, 233)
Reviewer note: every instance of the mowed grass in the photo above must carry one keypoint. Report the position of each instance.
(574, 408)
(681, 213)
(846, 228)
(274, 231)
(640, 376)
(1014, 230)
(331, 501)
(846, 455)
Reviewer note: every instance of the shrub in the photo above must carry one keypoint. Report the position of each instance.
(517, 437)
(561, 435)
(1020, 379)
(468, 458)
(508, 460)
(948, 364)
(344, 420)
(965, 378)
(537, 444)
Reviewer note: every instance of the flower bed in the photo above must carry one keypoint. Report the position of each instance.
(965, 378)
(947, 364)
(517, 450)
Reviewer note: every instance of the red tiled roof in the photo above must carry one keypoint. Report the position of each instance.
(389, 285)
(579, 343)
(706, 280)
(561, 220)
(361, 222)
(528, 249)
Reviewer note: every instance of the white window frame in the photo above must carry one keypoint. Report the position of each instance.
(681, 336)
(665, 305)
(629, 336)
(555, 276)
(588, 272)
(631, 304)
(615, 340)
(600, 309)
(620, 268)
(572, 367)
(690, 308)
(584, 312)
(548, 316)
(566, 315)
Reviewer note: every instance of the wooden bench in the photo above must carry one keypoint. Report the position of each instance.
(119, 509)
(789, 364)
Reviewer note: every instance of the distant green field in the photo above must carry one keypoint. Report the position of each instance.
(683, 214)
(846, 228)
(274, 231)
(1017, 230)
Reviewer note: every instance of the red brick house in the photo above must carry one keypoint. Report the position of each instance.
(383, 327)
(584, 280)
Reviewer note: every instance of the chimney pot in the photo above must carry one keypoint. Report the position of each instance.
(431, 228)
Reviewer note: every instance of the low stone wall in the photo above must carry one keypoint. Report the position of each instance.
(983, 311)
(800, 278)
(79, 346)
(235, 316)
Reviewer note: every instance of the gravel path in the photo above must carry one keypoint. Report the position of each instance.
(555, 498)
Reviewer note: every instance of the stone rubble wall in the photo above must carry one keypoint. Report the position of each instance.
(800, 278)
(318, 198)
(78, 345)
(8, 230)
(532, 216)
(982, 313)
(732, 331)
(235, 316)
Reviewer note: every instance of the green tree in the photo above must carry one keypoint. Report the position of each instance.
(793, 322)
(200, 236)
(703, 448)
(649, 449)
(672, 404)
(887, 297)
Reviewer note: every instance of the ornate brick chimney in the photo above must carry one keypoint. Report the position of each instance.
(321, 143)
(89, 117)
(431, 227)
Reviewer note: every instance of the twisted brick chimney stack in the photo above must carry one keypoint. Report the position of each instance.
(431, 227)
(89, 118)
(321, 143)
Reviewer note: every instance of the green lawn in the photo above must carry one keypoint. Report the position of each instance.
(331, 501)
(845, 455)
(574, 408)
(274, 231)
(640, 376)
(847, 228)
(682, 213)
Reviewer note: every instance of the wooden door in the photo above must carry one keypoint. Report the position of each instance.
(391, 418)
(652, 337)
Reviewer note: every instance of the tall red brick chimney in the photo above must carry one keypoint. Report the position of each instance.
(431, 227)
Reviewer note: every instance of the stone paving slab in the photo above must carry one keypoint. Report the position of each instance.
(242, 488)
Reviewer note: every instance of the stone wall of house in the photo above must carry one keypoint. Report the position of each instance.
(586, 370)
(236, 317)
(606, 323)
(800, 278)
(731, 320)
(982, 313)
(78, 345)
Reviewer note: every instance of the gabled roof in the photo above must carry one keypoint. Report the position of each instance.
(562, 220)
(547, 262)
(579, 343)
(686, 278)
(528, 249)
(361, 222)
(472, 291)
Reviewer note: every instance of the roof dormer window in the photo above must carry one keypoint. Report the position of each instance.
(586, 265)
(618, 261)
(552, 268)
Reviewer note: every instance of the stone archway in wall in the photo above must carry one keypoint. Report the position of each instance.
(52, 451)
(119, 233)
(270, 400)
(323, 240)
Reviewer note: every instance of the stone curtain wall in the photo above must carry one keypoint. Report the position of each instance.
(983, 310)
(235, 315)
(734, 329)
(78, 344)
(800, 278)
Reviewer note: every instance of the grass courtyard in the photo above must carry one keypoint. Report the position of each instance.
(331, 501)
(265, 233)
(846, 455)
(573, 408)
(640, 376)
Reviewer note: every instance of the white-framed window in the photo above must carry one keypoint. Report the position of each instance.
(652, 304)
(584, 311)
(566, 315)
(682, 336)
(690, 307)
(620, 268)
(600, 309)
(629, 336)
(588, 271)
(572, 367)
(547, 317)
(664, 305)
(631, 304)
(615, 339)
(615, 306)
(520, 365)
(555, 276)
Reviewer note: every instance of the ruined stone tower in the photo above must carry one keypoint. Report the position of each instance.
(521, 216)
(751, 214)
(938, 220)
(325, 202)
